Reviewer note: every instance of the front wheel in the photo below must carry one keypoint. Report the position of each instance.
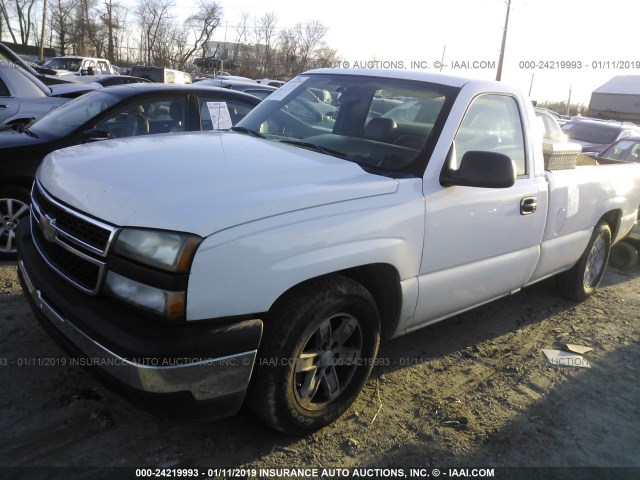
(581, 281)
(318, 351)
(14, 208)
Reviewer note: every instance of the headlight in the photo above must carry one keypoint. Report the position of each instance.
(168, 304)
(170, 251)
(131, 280)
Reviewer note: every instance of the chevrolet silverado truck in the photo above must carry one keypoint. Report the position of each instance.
(264, 264)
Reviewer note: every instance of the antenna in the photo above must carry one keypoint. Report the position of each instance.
(504, 43)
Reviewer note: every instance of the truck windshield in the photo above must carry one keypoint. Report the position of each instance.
(384, 124)
(63, 63)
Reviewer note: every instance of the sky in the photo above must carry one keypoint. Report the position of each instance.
(553, 47)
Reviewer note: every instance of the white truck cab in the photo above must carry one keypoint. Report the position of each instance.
(76, 65)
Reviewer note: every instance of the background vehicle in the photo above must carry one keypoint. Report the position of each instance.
(626, 149)
(160, 74)
(46, 76)
(23, 97)
(113, 112)
(552, 131)
(252, 88)
(595, 135)
(295, 247)
(111, 80)
(271, 82)
(74, 65)
(214, 62)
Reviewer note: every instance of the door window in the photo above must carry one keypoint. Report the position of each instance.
(492, 124)
(162, 115)
(237, 111)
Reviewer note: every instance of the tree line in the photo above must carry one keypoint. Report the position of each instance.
(151, 33)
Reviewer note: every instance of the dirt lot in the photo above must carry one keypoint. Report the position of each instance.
(473, 391)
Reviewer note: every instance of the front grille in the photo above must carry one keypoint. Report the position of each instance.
(69, 222)
(74, 245)
(72, 267)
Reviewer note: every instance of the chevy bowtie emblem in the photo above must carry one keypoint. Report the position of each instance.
(48, 226)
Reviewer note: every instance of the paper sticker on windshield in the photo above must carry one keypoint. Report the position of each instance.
(287, 88)
(220, 118)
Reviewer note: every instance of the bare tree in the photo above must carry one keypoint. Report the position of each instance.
(325, 56)
(61, 23)
(241, 32)
(7, 20)
(265, 32)
(154, 17)
(288, 52)
(119, 20)
(22, 11)
(202, 24)
(310, 34)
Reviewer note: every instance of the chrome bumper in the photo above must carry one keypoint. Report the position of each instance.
(204, 378)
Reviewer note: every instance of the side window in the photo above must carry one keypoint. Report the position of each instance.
(144, 117)
(237, 111)
(4, 90)
(492, 124)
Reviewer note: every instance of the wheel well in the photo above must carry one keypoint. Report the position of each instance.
(22, 182)
(381, 280)
(613, 219)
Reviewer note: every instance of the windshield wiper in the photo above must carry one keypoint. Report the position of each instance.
(317, 148)
(253, 133)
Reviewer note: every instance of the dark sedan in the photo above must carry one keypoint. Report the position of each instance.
(595, 135)
(112, 112)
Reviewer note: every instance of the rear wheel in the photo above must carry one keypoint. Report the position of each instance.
(581, 281)
(14, 208)
(318, 351)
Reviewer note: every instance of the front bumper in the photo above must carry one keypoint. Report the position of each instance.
(209, 361)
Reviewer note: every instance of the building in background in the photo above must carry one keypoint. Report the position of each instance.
(618, 99)
(29, 52)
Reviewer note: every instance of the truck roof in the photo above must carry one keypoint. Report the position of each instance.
(422, 76)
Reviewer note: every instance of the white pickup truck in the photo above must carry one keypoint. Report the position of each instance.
(74, 65)
(271, 259)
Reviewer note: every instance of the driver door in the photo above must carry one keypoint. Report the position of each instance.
(481, 243)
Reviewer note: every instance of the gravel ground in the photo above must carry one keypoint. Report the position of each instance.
(473, 391)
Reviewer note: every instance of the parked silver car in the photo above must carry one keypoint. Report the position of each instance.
(23, 97)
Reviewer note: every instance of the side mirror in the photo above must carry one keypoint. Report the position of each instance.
(480, 169)
(95, 135)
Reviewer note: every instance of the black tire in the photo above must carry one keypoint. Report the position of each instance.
(319, 348)
(14, 208)
(623, 255)
(581, 281)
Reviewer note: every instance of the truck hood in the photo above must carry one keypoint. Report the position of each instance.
(200, 182)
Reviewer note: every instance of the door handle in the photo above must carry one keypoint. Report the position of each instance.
(528, 205)
(4, 105)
